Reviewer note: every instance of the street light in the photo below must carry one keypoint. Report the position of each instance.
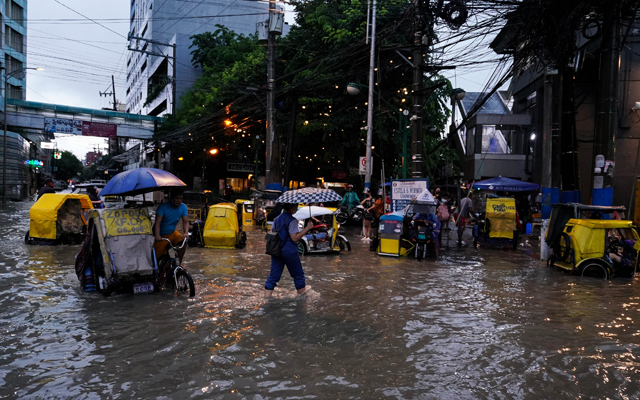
(4, 135)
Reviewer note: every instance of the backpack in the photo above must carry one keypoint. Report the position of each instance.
(274, 242)
(443, 213)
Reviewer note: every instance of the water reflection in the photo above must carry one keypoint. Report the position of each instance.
(476, 324)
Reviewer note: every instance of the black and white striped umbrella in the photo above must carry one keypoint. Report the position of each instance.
(309, 195)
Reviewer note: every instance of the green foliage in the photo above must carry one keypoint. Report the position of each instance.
(322, 53)
(68, 166)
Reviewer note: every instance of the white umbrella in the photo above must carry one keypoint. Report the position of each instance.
(313, 211)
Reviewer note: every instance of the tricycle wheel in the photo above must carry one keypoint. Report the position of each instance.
(185, 283)
(341, 243)
(595, 269)
(302, 248)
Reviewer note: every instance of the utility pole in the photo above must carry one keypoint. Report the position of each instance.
(113, 86)
(272, 168)
(372, 59)
(417, 163)
(292, 132)
(606, 117)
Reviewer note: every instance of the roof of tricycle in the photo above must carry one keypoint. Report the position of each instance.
(393, 216)
(230, 206)
(602, 223)
(44, 213)
(588, 207)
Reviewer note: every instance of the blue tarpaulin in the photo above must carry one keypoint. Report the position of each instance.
(505, 185)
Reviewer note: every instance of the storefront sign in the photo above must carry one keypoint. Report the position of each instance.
(404, 190)
(47, 145)
(99, 129)
(134, 221)
(59, 125)
(239, 167)
(34, 163)
(339, 174)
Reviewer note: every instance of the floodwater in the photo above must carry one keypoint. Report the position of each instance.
(478, 324)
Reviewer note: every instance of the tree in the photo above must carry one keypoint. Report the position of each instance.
(322, 53)
(68, 166)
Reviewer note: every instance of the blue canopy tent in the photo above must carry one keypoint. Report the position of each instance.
(505, 185)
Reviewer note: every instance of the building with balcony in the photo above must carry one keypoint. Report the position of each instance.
(151, 71)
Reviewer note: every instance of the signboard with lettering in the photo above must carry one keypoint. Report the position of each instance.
(133, 221)
(240, 167)
(47, 145)
(403, 190)
(34, 163)
(99, 129)
(61, 125)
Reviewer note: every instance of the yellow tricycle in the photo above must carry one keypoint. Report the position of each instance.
(598, 248)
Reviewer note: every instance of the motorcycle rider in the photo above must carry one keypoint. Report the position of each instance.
(350, 199)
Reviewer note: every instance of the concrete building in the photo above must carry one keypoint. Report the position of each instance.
(150, 71)
(14, 32)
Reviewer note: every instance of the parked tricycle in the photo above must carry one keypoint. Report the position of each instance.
(324, 236)
(598, 248)
(410, 230)
(498, 225)
(222, 229)
(58, 219)
(118, 255)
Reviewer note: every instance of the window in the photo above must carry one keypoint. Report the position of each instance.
(14, 39)
(14, 92)
(15, 12)
(11, 64)
(144, 66)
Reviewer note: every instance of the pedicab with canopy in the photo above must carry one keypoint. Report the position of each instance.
(58, 218)
(311, 195)
(118, 253)
(323, 237)
(223, 228)
(498, 224)
(410, 230)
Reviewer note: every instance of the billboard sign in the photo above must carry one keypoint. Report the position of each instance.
(61, 125)
(47, 145)
(99, 129)
(404, 190)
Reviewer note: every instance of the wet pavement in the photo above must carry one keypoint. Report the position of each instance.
(476, 324)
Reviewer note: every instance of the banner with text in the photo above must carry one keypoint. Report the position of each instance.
(404, 190)
(60, 125)
(99, 129)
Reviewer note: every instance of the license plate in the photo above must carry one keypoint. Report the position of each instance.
(139, 288)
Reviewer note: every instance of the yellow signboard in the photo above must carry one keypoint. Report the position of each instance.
(121, 222)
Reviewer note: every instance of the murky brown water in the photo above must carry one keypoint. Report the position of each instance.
(484, 324)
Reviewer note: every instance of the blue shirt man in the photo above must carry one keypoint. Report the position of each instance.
(167, 217)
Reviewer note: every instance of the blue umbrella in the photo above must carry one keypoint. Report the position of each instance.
(505, 185)
(139, 181)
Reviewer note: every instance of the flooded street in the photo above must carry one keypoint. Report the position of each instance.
(477, 324)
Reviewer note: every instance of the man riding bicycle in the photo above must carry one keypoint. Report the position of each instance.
(167, 217)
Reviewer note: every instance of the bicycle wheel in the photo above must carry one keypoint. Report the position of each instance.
(185, 283)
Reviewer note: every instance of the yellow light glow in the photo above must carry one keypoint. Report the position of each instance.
(180, 158)
(213, 151)
(227, 122)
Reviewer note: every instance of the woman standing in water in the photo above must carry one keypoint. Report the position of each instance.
(287, 228)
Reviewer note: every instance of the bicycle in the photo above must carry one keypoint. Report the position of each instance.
(169, 267)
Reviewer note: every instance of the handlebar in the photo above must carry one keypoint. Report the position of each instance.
(174, 247)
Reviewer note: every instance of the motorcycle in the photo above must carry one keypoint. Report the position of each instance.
(342, 214)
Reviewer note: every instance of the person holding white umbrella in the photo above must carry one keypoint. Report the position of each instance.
(287, 228)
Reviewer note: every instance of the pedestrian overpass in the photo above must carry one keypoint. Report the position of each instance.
(31, 123)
